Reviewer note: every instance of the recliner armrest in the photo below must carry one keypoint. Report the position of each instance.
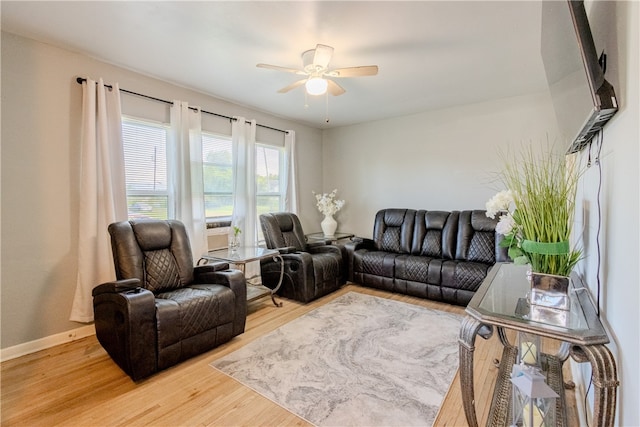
(324, 249)
(319, 243)
(117, 306)
(206, 268)
(118, 286)
(287, 250)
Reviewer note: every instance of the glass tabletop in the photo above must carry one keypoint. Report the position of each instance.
(242, 254)
(319, 236)
(502, 300)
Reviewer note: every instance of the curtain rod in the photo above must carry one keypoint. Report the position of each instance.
(80, 80)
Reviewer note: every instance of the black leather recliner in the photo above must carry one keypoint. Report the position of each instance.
(161, 310)
(310, 270)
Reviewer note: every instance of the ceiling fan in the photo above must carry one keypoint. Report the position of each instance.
(315, 63)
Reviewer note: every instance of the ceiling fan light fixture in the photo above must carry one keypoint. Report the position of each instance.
(316, 86)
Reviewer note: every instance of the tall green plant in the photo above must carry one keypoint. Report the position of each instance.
(544, 194)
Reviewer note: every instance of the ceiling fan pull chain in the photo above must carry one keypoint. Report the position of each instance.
(326, 116)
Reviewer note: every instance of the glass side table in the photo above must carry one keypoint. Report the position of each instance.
(243, 255)
(500, 302)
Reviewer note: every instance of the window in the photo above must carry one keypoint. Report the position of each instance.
(269, 186)
(145, 159)
(217, 164)
(148, 195)
(269, 182)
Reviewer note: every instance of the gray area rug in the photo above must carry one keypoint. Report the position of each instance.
(359, 360)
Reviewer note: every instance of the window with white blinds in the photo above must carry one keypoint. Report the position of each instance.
(217, 164)
(148, 195)
(145, 159)
(269, 185)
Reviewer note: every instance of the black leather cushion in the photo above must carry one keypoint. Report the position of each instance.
(282, 229)
(152, 235)
(161, 271)
(435, 234)
(155, 252)
(393, 230)
(198, 309)
(476, 237)
(378, 263)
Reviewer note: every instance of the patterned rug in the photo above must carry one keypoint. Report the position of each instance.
(359, 360)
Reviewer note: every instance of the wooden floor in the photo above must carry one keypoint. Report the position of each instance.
(77, 384)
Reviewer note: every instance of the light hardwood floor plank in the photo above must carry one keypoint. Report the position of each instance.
(77, 384)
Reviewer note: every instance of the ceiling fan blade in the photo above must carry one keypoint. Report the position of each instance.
(322, 56)
(292, 86)
(334, 88)
(365, 70)
(285, 69)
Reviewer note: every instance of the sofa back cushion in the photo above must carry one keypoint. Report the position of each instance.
(282, 229)
(435, 234)
(477, 240)
(393, 230)
(156, 252)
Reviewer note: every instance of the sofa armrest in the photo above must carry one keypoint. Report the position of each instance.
(360, 243)
(117, 286)
(355, 244)
(116, 306)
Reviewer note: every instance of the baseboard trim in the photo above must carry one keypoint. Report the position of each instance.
(46, 342)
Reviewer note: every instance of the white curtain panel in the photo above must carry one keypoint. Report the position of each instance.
(291, 191)
(102, 191)
(243, 136)
(185, 174)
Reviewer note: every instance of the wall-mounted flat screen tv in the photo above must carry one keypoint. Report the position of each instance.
(583, 100)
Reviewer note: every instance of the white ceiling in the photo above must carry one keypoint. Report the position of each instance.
(431, 54)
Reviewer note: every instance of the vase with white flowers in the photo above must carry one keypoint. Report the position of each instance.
(536, 215)
(328, 205)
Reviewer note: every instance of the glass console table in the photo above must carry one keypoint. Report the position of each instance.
(501, 302)
(243, 255)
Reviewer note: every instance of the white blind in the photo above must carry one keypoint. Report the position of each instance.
(217, 156)
(145, 158)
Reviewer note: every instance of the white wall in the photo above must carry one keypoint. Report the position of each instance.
(41, 104)
(615, 27)
(437, 160)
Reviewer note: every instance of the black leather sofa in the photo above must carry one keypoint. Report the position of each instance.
(438, 255)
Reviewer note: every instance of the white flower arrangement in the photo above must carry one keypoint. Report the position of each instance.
(536, 213)
(499, 203)
(502, 205)
(327, 203)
